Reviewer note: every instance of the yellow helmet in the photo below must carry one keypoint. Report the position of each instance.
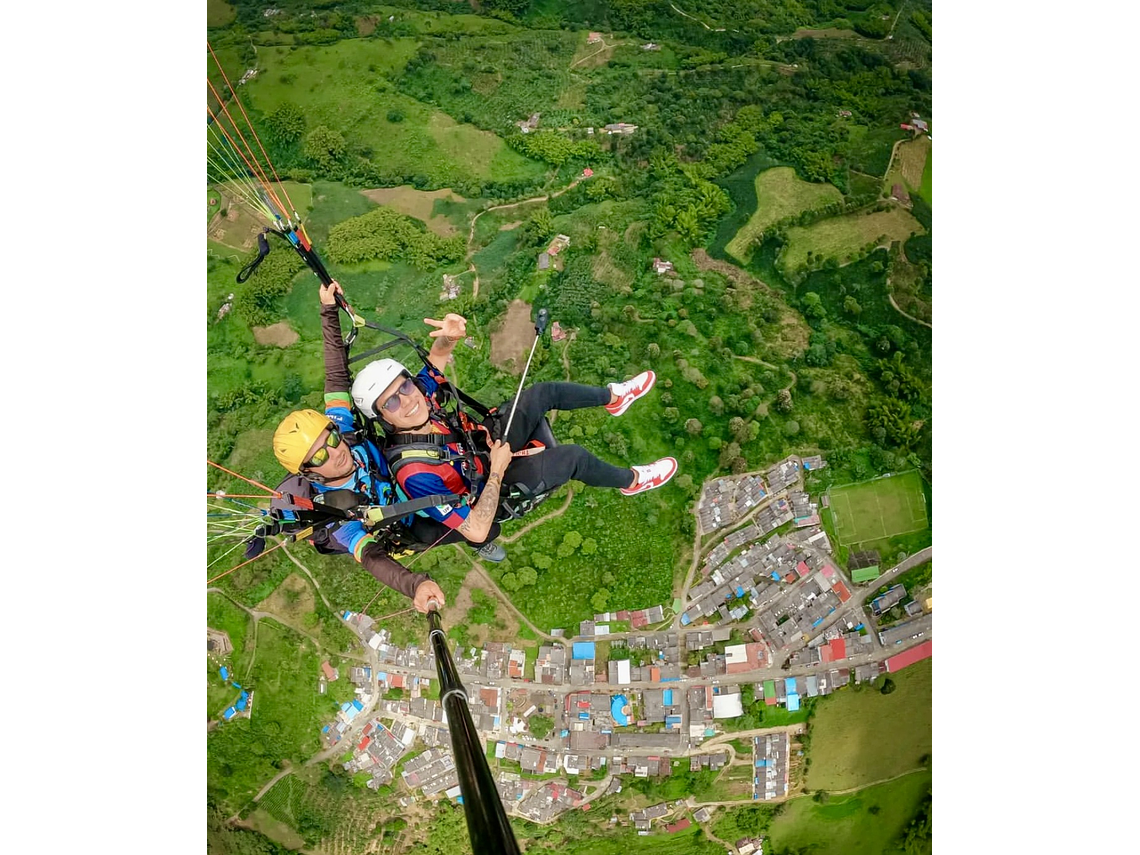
(295, 435)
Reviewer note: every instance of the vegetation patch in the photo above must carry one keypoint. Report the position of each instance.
(910, 284)
(419, 204)
(872, 821)
(292, 600)
(779, 194)
(219, 13)
(860, 736)
(826, 33)
(909, 164)
(843, 238)
(343, 89)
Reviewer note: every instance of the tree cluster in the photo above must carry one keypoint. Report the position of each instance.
(386, 235)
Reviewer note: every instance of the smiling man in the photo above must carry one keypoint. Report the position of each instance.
(429, 451)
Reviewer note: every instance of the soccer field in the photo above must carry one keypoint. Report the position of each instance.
(878, 509)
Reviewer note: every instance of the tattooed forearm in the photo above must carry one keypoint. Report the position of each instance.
(478, 522)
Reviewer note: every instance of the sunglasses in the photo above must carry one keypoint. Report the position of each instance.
(405, 389)
(321, 455)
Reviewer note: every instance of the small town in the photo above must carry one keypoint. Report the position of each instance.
(772, 620)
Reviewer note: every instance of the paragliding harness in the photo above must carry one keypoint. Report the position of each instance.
(472, 438)
(303, 513)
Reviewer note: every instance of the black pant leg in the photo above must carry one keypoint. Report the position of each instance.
(555, 466)
(536, 401)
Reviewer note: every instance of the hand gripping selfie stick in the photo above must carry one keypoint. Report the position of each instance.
(539, 329)
(487, 823)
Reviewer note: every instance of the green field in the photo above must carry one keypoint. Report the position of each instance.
(927, 179)
(842, 238)
(878, 509)
(779, 194)
(861, 736)
(343, 86)
(219, 13)
(845, 825)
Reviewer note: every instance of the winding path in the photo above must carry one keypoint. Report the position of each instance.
(471, 231)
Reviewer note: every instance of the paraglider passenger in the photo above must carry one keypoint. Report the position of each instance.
(428, 454)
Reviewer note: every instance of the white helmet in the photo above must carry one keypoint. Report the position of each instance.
(372, 381)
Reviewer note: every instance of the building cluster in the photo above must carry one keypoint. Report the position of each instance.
(760, 576)
(379, 750)
(708, 763)
(637, 619)
(659, 650)
(725, 501)
(630, 713)
(770, 780)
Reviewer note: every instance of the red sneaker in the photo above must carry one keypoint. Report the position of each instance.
(651, 476)
(630, 391)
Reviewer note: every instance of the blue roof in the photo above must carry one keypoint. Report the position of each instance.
(790, 685)
(359, 706)
(670, 679)
(584, 650)
(229, 713)
(667, 697)
(685, 619)
(616, 704)
(583, 715)
(459, 799)
(564, 732)
(237, 685)
(793, 703)
(241, 702)
(739, 591)
(225, 673)
(761, 762)
(775, 575)
(383, 675)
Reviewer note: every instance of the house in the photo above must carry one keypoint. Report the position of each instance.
(844, 114)
(899, 194)
(559, 243)
(331, 673)
(620, 128)
(556, 332)
(593, 38)
(587, 172)
(589, 132)
(920, 125)
(530, 124)
(544, 261)
(660, 266)
(651, 46)
(450, 288)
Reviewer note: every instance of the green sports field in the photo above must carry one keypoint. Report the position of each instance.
(878, 509)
